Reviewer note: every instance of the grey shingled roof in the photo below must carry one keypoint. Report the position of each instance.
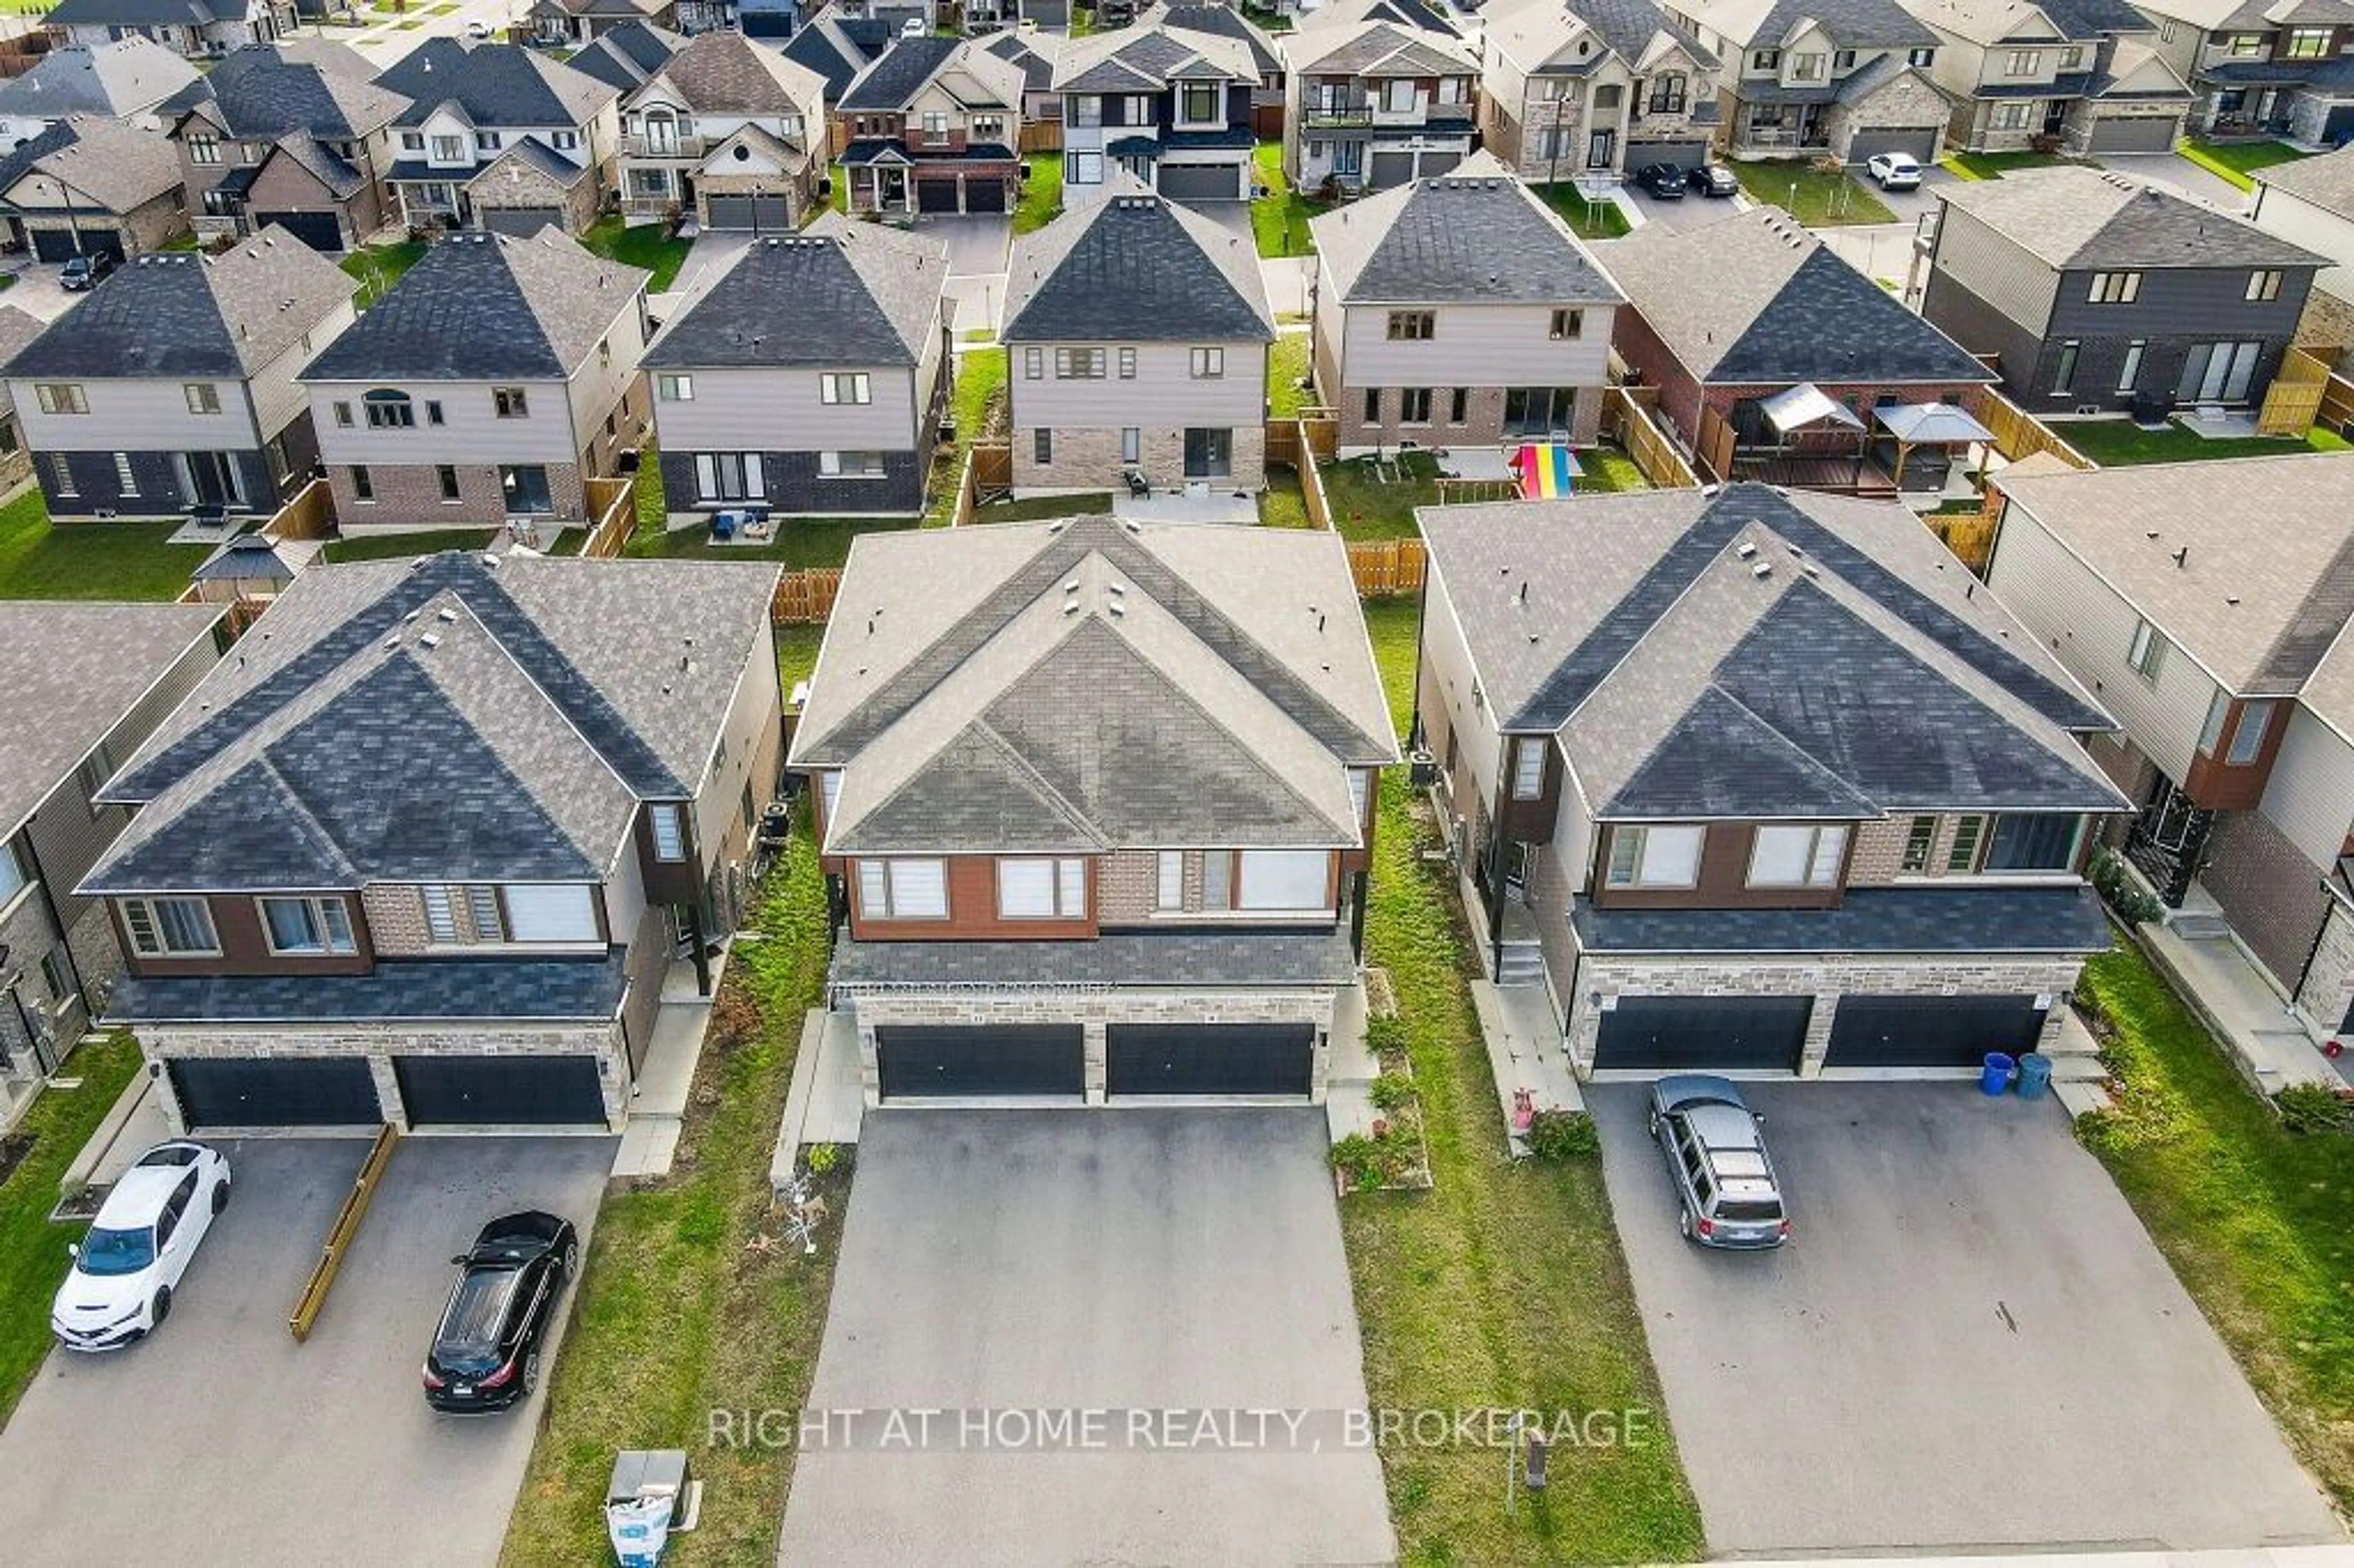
(587, 988)
(1197, 958)
(727, 73)
(2260, 618)
(258, 92)
(2327, 181)
(838, 48)
(1088, 684)
(1133, 268)
(625, 56)
(1753, 298)
(100, 159)
(1867, 920)
(182, 314)
(1861, 674)
(446, 719)
(1223, 21)
(493, 84)
(68, 674)
(143, 13)
(116, 79)
(837, 293)
(2074, 217)
(895, 77)
(486, 306)
(1851, 24)
(1148, 55)
(1473, 236)
(1385, 47)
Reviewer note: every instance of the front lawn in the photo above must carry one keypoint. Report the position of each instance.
(1287, 367)
(2237, 161)
(1279, 219)
(1587, 218)
(2252, 1216)
(58, 1123)
(379, 267)
(687, 1305)
(647, 245)
(1994, 165)
(1819, 198)
(1503, 1286)
(89, 560)
(1042, 192)
(2114, 444)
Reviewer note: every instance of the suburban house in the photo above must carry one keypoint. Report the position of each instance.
(172, 389)
(1098, 796)
(198, 29)
(561, 22)
(1372, 105)
(2207, 604)
(838, 47)
(627, 55)
(1776, 360)
(499, 136)
(424, 855)
(729, 132)
(2078, 74)
(1225, 21)
(807, 377)
(86, 684)
(1033, 54)
(1136, 332)
(89, 182)
(1170, 107)
(2310, 204)
(1801, 79)
(932, 125)
(1459, 312)
(300, 140)
(2280, 69)
(1756, 779)
(126, 81)
(1577, 88)
(909, 17)
(2095, 293)
(484, 387)
(19, 328)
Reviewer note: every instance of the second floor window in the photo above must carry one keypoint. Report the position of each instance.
(1843, 61)
(1655, 857)
(1079, 363)
(1209, 363)
(2071, 59)
(389, 411)
(169, 927)
(668, 822)
(204, 398)
(936, 127)
(1920, 838)
(62, 397)
(204, 150)
(448, 149)
(13, 879)
(2033, 841)
(903, 889)
(1806, 67)
(2022, 62)
(1962, 854)
(1668, 93)
(2247, 46)
(2117, 288)
(1169, 880)
(1921, 58)
(1528, 766)
(2248, 735)
(1042, 889)
(308, 926)
(1412, 326)
(1765, 60)
(2308, 43)
(1201, 103)
(2145, 653)
(1568, 325)
(510, 403)
(675, 389)
(844, 386)
(2264, 284)
(1796, 856)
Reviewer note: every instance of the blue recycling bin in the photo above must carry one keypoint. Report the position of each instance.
(1996, 1076)
(2034, 1074)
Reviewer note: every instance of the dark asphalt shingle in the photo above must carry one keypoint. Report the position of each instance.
(1867, 920)
(1198, 958)
(583, 989)
(1134, 269)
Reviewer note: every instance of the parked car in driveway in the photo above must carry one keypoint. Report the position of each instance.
(138, 1248)
(84, 271)
(1895, 170)
(1715, 1147)
(486, 1351)
(1714, 180)
(1665, 181)
(478, 28)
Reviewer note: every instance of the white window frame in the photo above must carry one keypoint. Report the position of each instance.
(1041, 887)
(2264, 284)
(440, 914)
(1528, 766)
(1806, 854)
(2022, 63)
(666, 826)
(61, 398)
(838, 465)
(844, 387)
(903, 889)
(324, 916)
(1275, 881)
(1169, 881)
(14, 877)
(1675, 847)
(2116, 289)
(550, 913)
(144, 922)
(2146, 651)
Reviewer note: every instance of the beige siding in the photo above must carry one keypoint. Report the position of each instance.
(1486, 345)
(719, 798)
(278, 397)
(1446, 662)
(1162, 393)
(2300, 222)
(1995, 270)
(781, 410)
(2310, 796)
(599, 382)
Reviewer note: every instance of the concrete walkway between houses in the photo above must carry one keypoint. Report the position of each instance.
(2243, 1008)
(1526, 1054)
(826, 1102)
(658, 1104)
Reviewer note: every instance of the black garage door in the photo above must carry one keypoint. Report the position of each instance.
(60, 245)
(1209, 1058)
(496, 1091)
(2338, 125)
(1682, 154)
(1869, 144)
(936, 195)
(1930, 1031)
(1201, 181)
(765, 212)
(933, 1064)
(2135, 133)
(1762, 1033)
(319, 230)
(524, 221)
(323, 1091)
(984, 195)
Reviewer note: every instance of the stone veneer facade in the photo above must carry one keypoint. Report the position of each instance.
(1088, 458)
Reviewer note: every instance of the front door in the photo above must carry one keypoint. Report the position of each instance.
(1601, 149)
(2055, 114)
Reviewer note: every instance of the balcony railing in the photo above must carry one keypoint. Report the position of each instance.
(1325, 116)
(643, 146)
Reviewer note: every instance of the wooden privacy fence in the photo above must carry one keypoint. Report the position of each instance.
(806, 596)
(1042, 136)
(613, 502)
(1624, 416)
(1384, 566)
(2337, 410)
(1969, 535)
(2020, 434)
(309, 514)
(2293, 400)
(1311, 494)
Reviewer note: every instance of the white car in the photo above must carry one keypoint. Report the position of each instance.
(146, 1233)
(1895, 170)
(478, 28)
(913, 27)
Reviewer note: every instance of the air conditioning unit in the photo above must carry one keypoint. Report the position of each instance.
(1422, 770)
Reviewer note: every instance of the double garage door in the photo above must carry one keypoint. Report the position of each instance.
(1769, 1034)
(1921, 141)
(340, 1091)
(761, 212)
(2135, 133)
(986, 194)
(1049, 1061)
(520, 221)
(1202, 181)
(64, 245)
(1390, 170)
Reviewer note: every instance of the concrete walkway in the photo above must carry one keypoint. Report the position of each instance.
(827, 1101)
(1525, 1052)
(658, 1105)
(2240, 1004)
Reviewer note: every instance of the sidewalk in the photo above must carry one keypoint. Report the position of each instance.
(1526, 1051)
(2240, 1005)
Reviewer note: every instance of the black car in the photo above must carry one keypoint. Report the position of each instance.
(486, 1353)
(1665, 181)
(84, 271)
(1713, 180)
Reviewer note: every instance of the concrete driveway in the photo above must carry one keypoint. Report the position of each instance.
(222, 1437)
(997, 1263)
(2190, 178)
(977, 241)
(1969, 1345)
(1683, 213)
(37, 293)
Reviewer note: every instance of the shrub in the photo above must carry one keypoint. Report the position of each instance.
(1392, 1092)
(2120, 891)
(1385, 1037)
(822, 1158)
(1361, 1160)
(2314, 1107)
(1563, 1135)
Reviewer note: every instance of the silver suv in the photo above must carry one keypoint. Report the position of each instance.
(1716, 1155)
